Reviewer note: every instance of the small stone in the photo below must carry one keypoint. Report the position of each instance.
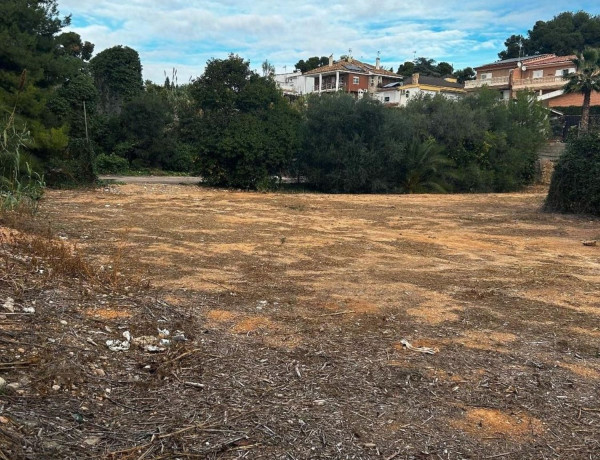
(28, 310)
(99, 372)
(13, 387)
(21, 350)
(2, 384)
(91, 441)
(63, 322)
(56, 387)
(9, 304)
(4, 420)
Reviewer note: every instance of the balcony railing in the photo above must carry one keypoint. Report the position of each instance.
(539, 83)
(496, 81)
(329, 86)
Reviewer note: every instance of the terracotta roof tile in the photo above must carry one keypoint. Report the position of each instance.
(552, 60)
(353, 66)
(512, 62)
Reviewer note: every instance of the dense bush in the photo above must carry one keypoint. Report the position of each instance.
(111, 164)
(575, 186)
(243, 129)
(476, 144)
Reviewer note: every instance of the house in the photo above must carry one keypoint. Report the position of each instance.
(294, 84)
(351, 76)
(399, 93)
(544, 74)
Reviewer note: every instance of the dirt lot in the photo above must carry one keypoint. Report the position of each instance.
(294, 307)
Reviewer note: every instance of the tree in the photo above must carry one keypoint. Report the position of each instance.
(247, 130)
(117, 73)
(311, 63)
(406, 69)
(268, 69)
(425, 66)
(515, 46)
(464, 75)
(444, 69)
(30, 40)
(585, 81)
(565, 34)
(342, 139)
(71, 45)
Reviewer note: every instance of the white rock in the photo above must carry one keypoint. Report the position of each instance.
(9, 304)
(2, 384)
(63, 322)
(56, 387)
(28, 310)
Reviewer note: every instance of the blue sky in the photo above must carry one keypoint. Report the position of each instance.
(185, 34)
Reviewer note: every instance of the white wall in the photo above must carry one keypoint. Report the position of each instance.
(401, 96)
(295, 83)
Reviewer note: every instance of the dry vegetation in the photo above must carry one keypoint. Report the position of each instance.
(294, 308)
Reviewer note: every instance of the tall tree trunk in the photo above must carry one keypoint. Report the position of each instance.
(585, 112)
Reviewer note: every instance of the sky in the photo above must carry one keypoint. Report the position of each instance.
(186, 34)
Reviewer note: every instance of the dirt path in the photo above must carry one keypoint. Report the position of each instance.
(297, 306)
(173, 180)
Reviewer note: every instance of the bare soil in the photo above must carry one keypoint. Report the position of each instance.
(294, 307)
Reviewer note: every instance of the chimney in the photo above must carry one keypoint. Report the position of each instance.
(415, 78)
(331, 59)
(378, 63)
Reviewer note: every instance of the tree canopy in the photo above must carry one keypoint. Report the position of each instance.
(565, 34)
(311, 63)
(117, 73)
(425, 66)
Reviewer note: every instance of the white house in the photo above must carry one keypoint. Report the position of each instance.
(294, 83)
(399, 93)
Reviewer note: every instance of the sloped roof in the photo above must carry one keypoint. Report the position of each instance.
(353, 66)
(434, 81)
(513, 61)
(553, 60)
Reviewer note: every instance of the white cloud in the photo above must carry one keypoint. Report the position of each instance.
(185, 34)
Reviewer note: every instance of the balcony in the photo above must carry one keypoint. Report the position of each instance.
(329, 86)
(495, 81)
(540, 83)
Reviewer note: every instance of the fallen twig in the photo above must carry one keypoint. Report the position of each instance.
(426, 350)
(336, 313)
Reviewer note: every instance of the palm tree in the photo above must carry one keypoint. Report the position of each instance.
(426, 168)
(585, 81)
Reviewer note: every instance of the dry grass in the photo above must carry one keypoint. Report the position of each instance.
(294, 308)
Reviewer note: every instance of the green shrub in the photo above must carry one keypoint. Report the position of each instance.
(575, 187)
(21, 187)
(111, 164)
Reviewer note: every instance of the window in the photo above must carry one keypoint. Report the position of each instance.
(564, 72)
(356, 80)
(386, 99)
(486, 76)
(538, 73)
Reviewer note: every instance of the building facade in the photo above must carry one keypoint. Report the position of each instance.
(351, 76)
(545, 75)
(399, 93)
